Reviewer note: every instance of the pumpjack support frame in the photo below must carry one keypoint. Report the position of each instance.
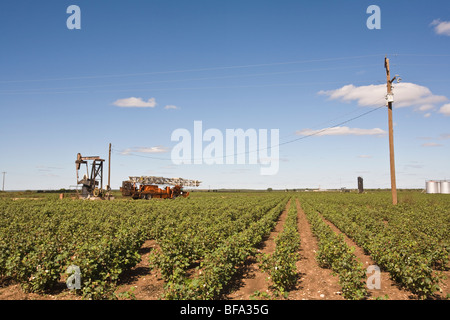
(91, 183)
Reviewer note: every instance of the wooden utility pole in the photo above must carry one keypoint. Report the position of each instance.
(390, 99)
(109, 173)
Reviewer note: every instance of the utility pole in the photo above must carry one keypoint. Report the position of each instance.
(109, 173)
(4, 172)
(390, 99)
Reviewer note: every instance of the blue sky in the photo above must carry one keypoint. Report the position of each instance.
(138, 70)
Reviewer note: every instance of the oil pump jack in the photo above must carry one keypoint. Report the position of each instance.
(92, 182)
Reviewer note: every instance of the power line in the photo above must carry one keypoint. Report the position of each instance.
(187, 79)
(334, 119)
(419, 55)
(280, 144)
(190, 88)
(221, 67)
(337, 125)
(196, 70)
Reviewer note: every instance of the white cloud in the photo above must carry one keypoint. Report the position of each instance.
(445, 109)
(364, 156)
(171, 107)
(441, 27)
(365, 95)
(405, 95)
(157, 149)
(426, 107)
(135, 102)
(431, 144)
(340, 131)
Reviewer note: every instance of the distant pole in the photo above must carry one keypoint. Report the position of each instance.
(391, 130)
(3, 188)
(109, 172)
(360, 185)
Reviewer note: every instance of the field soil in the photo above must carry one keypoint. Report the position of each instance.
(141, 282)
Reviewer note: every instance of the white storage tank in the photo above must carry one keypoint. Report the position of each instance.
(433, 186)
(445, 187)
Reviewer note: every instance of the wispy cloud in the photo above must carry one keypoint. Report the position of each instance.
(156, 149)
(442, 136)
(50, 175)
(365, 156)
(414, 166)
(431, 144)
(134, 102)
(47, 168)
(341, 131)
(171, 107)
(441, 27)
(405, 95)
(169, 167)
(272, 159)
(237, 171)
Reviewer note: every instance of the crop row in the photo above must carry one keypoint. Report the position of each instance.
(335, 254)
(281, 264)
